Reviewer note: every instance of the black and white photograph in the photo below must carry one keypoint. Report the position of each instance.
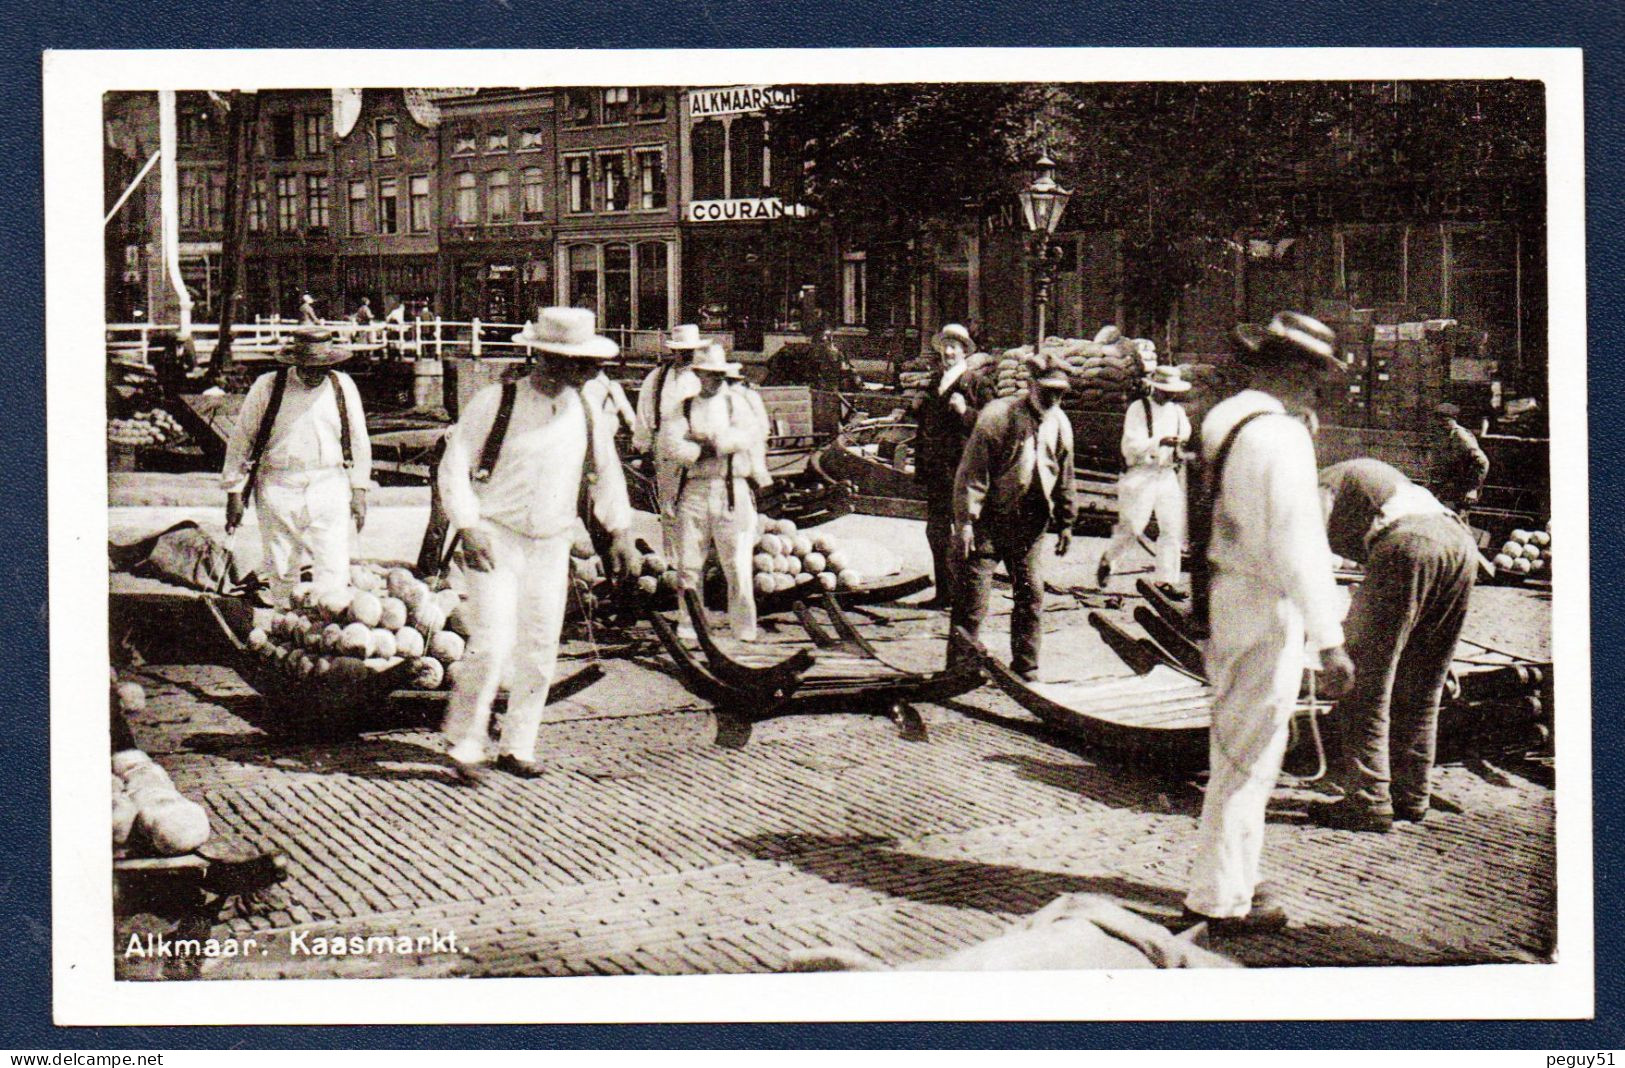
(792, 517)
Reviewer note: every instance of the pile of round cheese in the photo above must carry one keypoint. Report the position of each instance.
(147, 806)
(786, 558)
(383, 618)
(153, 427)
(1526, 552)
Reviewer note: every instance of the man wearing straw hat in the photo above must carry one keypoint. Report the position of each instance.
(523, 461)
(1155, 431)
(301, 443)
(712, 438)
(944, 417)
(663, 389)
(1269, 591)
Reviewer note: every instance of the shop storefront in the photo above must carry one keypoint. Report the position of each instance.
(630, 280)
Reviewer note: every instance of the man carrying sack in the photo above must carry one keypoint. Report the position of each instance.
(301, 444)
(1270, 598)
(1014, 483)
(1155, 432)
(944, 418)
(712, 439)
(523, 462)
(663, 389)
(1403, 624)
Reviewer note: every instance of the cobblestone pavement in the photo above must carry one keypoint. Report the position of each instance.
(648, 849)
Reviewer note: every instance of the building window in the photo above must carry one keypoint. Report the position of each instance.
(316, 201)
(1373, 263)
(194, 199)
(578, 107)
(496, 141)
(316, 134)
(747, 148)
(498, 204)
(389, 206)
(468, 199)
(583, 261)
(385, 129)
(464, 143)
(578, 180)
(617, 286)
(710, 148)
(217, 200)
(192, 128)
(612, 181)
(649, 105)
(616, 105)
(287, 203)
(530, 140)
(651, 179)
(532, 195)
(358, 207)
(652, 286)
(282, 136)
(854, 289)
(418, 206)
(256, 206)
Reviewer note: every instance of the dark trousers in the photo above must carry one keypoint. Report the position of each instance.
(1403, 625)
(1018, 545)
(939, 534)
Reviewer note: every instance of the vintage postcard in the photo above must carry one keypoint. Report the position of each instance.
(729, 536)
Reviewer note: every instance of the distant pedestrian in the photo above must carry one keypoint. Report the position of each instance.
(1014, 483)
(944, 417)
(1156, 431)
(1271, 593)
(1403, 625)
(363, 314)
(307, 311)
(1460, 465)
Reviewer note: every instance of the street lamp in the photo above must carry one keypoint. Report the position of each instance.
(1041, 206)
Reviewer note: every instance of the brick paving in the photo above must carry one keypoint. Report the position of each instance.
(648, 849)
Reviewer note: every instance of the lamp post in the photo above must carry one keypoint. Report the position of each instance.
(1041, 206)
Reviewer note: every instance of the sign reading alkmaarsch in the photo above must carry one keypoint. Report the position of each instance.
(743, 209)
(705, 103)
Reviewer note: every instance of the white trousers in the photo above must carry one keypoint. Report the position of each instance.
(516, 611)
(667, 475)
(1255, 662)
(705, 523)
(1141, 492)
(304, 512)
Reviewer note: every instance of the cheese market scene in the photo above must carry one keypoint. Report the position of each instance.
(781, 528)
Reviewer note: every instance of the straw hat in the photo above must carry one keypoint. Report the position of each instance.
(686, 336)
(1168, 379)
(1050, 371)
(1291, 336)
(313, 347)
(954, 332)
(712, 360)
(571, 332)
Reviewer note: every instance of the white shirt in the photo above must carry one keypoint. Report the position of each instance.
(535, 486)
(608, 397)
(679, 385)
(1140, 442)
(728, 420)
(1267, 522)
(306, 434)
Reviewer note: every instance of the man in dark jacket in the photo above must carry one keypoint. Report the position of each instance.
(1015, 482)
(944, 417)
(1460, 465)
(1402, 628)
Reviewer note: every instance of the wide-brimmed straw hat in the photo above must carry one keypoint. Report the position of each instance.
(1290, 336)
(686, 336)
(313, 348)
(1050, 371)
(953, 332)
(570, 332)
(712, 360)
(1168, 379)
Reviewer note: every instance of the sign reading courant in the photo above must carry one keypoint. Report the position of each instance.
(738, 99)
(743, 209)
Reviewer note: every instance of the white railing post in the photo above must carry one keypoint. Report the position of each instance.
(475, 346)
(438, 340)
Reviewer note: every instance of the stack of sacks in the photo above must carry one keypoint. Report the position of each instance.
(146, 801)
(384, 618)
(1526, 552)
(786, 558)
(1105, 369)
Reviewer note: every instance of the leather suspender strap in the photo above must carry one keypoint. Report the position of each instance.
(682, 475)
(1206, 500)
(492, 452)
(344, 419)
(262, 435)
(659, 387)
